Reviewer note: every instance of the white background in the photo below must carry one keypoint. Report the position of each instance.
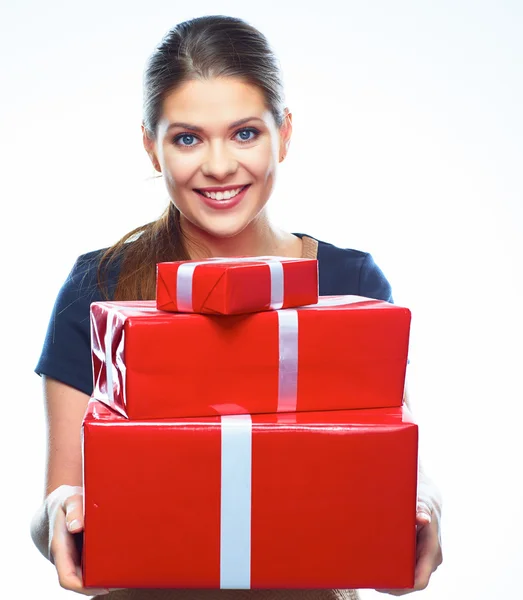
(408, 144)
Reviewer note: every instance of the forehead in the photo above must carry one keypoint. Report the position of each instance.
(214, 101)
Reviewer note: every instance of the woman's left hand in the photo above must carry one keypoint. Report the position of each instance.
(429, 555)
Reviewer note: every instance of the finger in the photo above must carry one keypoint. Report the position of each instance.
(74, 517)
(427, 560)
(395, 592)
(69, 574)
(66, 559)
(423, 518)
(423, 513)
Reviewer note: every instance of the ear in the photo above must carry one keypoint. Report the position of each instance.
(285, 134)
(150, 147)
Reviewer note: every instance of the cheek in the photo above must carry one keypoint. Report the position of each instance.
(262, 161)
(179, 169)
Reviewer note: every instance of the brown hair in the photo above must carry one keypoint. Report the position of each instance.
(202, 48)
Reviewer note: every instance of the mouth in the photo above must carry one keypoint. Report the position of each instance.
(223, 200)
(226, 195)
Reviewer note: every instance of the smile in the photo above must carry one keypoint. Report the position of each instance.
(227, 198)
(225, 195)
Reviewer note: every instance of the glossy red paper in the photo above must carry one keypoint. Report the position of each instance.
(333, 500)
(235, 287)
(175, 365)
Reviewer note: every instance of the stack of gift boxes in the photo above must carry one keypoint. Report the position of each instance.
(244, 433)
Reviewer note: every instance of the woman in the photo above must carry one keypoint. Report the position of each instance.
(216, 127)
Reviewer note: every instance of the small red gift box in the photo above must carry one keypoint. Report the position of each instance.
(344, 352)
(231, 286)
(306, 500)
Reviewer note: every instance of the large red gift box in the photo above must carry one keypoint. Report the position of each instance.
(307, 500)
(344, 352)
(231, 286)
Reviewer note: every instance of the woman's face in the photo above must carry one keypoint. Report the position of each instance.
(218, 147)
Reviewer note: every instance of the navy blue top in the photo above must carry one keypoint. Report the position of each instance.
(66, 354)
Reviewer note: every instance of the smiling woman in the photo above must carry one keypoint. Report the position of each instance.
(216, 126)
(220, 170)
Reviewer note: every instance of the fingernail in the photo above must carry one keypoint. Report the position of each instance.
(73, 524)
(425, 517)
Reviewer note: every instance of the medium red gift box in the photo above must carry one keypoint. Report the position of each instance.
(344, 352)
(308, 500)
(231, 286)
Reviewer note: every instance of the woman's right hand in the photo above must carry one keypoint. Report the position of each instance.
(65, 513)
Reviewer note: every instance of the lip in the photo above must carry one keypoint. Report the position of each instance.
(225, 188)
(223, 204)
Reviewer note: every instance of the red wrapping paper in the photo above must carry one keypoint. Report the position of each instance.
(332, 504)
(236, 286)
(175, 365)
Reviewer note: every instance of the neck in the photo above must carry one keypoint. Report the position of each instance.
(259, 238)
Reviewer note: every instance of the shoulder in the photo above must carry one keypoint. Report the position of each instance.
(79, 289)
(85, 277)
(84, 272)
(82, 286)
(350, 271)
(66, 354)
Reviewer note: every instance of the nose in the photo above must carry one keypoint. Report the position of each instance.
(219, 162)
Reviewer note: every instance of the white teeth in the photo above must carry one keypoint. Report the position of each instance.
(227, 195)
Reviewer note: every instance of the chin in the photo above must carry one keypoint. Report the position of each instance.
(225, 232)
(227, 226)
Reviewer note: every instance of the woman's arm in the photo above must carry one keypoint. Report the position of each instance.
(61, 513)
(64, 410)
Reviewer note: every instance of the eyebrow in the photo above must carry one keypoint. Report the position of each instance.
(199, 129)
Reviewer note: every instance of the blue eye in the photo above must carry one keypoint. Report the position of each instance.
(247, 135)
(184, 139)
(188, 140)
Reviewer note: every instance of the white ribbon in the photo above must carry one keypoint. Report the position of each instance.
(185, 274)
(108, 340)
(235, 510)
(288, 360)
